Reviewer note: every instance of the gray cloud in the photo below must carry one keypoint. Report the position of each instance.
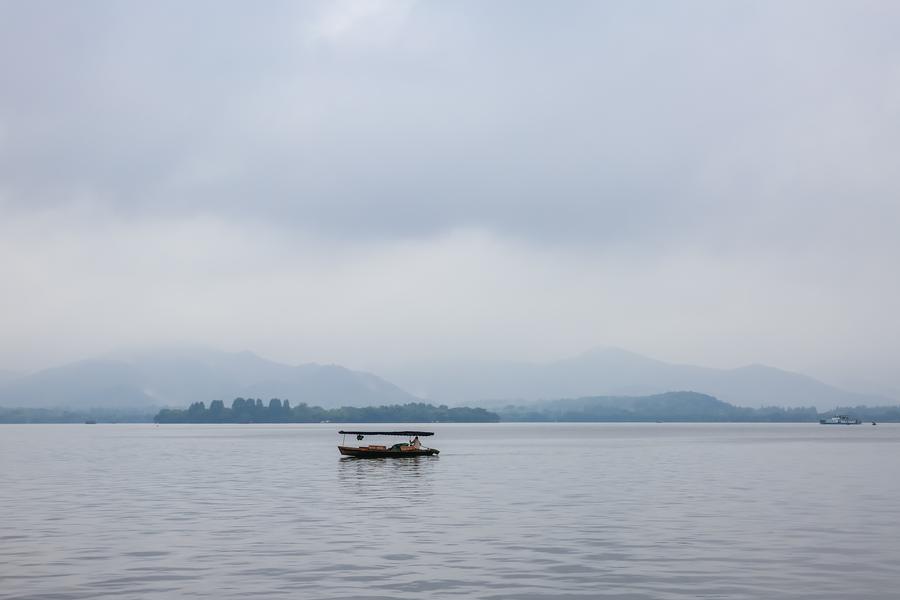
(745, 150)
(602, 119)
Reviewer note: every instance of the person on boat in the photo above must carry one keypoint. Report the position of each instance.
(415, 443)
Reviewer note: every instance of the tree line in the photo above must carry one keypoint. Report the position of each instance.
(250, 410)
(680, 407)
(60, 415)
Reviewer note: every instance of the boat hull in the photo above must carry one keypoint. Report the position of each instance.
(367, 453)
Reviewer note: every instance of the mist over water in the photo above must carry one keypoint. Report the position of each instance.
(506, 511)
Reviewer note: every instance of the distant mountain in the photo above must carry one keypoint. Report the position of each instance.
(616, 372)
(176, 377)
(7, 376)
(671, 406)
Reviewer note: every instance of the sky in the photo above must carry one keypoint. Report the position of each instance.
(382, 182)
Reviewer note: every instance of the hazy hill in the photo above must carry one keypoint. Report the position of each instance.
(177, 377)
(7, 376)
(615, 372)
(671, 406)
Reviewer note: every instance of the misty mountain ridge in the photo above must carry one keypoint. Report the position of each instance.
(609, 371)
(670, 406)
(179, 376)
(7, 376)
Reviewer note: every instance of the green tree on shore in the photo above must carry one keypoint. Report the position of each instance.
(248, 410)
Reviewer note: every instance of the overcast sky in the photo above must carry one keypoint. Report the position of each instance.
(371, 183)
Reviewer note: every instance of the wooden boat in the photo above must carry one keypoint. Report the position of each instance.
(401, 450)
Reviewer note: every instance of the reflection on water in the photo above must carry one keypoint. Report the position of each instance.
(368, 468)
(505, 512)
(377, 479)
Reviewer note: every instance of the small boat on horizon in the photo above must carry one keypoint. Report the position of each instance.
(840, 420)
(400, 450)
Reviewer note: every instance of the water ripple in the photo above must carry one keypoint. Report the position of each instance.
(667, 512)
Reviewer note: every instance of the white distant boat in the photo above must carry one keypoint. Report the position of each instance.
(840, 420)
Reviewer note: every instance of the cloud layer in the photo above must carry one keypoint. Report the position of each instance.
(373, 181)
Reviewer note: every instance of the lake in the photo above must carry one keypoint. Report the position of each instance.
(507, 511)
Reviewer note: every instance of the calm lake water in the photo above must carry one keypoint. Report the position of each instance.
(509, 511)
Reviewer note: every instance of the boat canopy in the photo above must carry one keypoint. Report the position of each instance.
(403, 433)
